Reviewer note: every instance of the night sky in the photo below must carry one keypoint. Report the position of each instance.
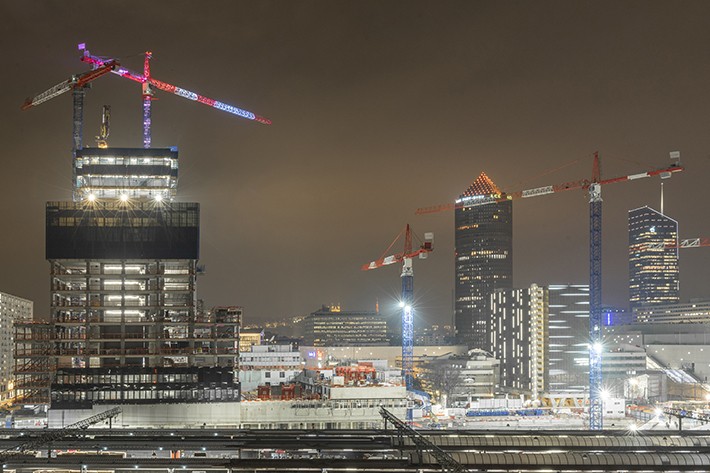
(378, 108)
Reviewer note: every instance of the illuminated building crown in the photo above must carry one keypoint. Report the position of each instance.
(483, 185)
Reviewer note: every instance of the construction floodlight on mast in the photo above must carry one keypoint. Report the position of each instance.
(407, 300)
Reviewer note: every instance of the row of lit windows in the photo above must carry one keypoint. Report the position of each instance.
(145, 378)
(213, 394)
(122, 161)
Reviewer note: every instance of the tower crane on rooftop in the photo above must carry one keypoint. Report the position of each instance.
(102, 66)
(593, 186)
(148, 83)
(78, 85)
(406, 303)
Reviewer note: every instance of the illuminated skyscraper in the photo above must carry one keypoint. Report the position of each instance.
(484, 259)
(653, 267)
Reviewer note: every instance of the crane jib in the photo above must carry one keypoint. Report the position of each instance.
(538, 191)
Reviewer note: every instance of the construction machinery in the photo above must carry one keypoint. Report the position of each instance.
(682, 244)
(105, 127)
(593, 186)
(74, 82)
(78, 85)
(406, 303)
(148, 83)
(102, 66)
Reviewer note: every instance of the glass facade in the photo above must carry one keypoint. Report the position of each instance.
(653, 266)
(334, 328)
(80, 388)
(122, 230)
(107, 173)
(483, 260)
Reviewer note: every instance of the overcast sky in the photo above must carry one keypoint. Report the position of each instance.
(378, 108)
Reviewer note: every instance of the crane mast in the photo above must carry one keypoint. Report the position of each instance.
(147, 98)
(407, 315)
(596, 413)
(406, 302)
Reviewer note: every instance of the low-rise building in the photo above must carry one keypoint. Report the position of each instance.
(266, 365)
(324, 403)
(249, 339)
(459, 380)
(13, 310)
(331, 326)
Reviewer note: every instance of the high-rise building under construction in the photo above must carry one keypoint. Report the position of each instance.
(124, 324)
(484, 260)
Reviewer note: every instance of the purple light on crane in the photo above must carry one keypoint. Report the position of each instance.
(146, 79)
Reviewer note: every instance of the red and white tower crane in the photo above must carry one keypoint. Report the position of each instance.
(682, 244)
(77, 84)
(102, 66)
(593, 186)
(406, 303)
(148, 82)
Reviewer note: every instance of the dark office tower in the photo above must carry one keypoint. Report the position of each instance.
(653, 267)
(484, 259)
(123, 268)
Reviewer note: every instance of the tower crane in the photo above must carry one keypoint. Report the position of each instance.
(102, 66)
(405, 257)
(77, 84)
(73, 82)
(682, 244)
(593, 186)
(148, 82)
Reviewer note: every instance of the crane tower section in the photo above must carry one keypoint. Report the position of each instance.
(406, 302)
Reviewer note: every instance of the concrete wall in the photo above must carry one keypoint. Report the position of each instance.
(254, 414)
(216, 414)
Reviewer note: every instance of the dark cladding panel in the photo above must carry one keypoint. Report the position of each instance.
(81, 388)
(115, 230)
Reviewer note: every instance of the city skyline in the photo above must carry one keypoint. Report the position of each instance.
(377, 110)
